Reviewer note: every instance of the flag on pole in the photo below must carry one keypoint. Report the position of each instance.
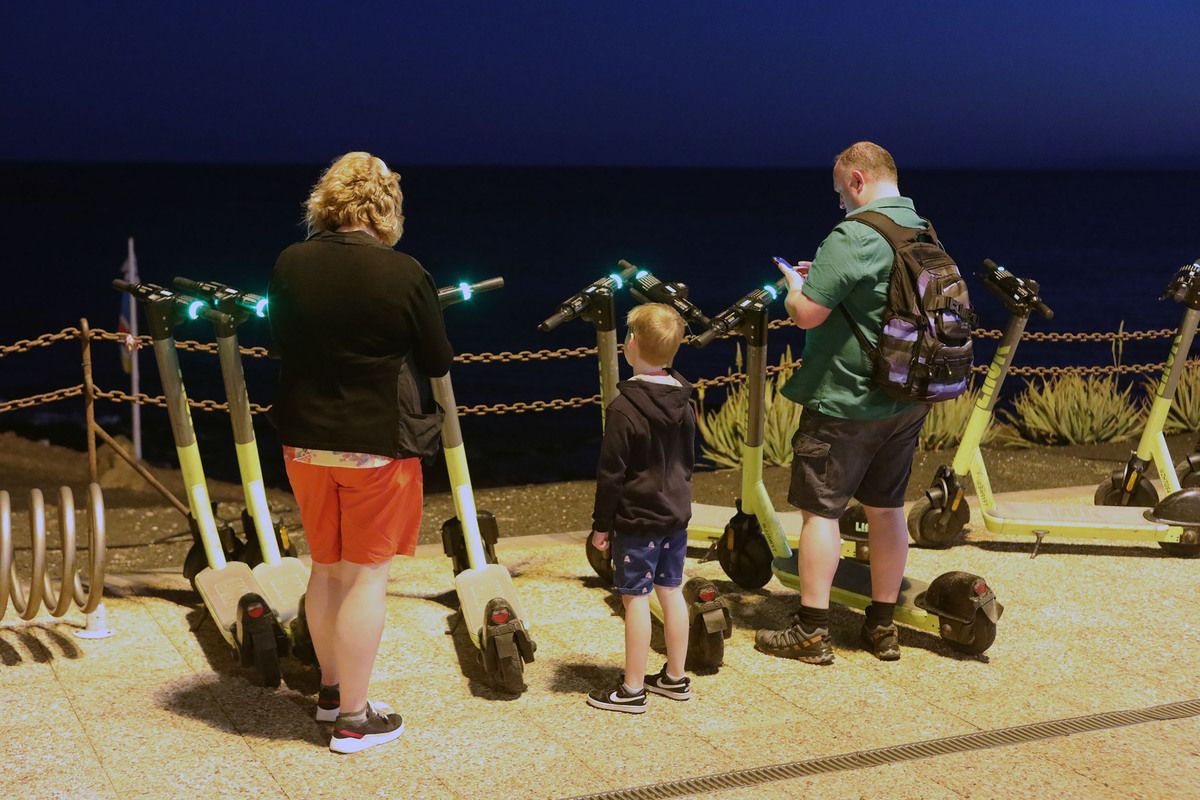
(127, 321)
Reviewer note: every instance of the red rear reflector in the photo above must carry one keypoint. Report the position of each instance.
(980, 587)
(255, 611)
(499, 617)
(707, 594)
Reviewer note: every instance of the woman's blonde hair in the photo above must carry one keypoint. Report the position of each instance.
(659, 330)
(357, 189)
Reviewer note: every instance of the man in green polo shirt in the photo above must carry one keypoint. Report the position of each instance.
(853, 440)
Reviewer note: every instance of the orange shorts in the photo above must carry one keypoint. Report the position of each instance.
(365, 516)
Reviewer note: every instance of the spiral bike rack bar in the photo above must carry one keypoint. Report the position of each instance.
(27, 602)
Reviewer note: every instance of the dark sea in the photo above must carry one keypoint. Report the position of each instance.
(1102, 244)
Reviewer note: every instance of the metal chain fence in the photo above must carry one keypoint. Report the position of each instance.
(558, 404)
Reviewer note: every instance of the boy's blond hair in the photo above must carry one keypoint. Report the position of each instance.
(659, 330)
(357, 189)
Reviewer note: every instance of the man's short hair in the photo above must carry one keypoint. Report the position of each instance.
(870, 159)
(357, 189)
(659, 330)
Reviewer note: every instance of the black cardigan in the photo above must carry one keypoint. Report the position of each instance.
(345, 312)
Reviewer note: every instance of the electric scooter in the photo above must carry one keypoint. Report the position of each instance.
(710, 623)
(487, 598)
(1130, 486)
(271, 556)
(937, 518)
(231, 592)
(958, 606)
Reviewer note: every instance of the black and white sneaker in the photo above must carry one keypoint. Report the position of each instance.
(661, 683)
(378, 728)
(618, 699)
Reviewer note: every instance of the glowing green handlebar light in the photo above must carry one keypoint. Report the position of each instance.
(615, 278)
(642, 273)
(465, 288)
(193, 309)
(260, 307)
(769, 289)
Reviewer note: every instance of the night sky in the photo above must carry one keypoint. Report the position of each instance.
(577, 82)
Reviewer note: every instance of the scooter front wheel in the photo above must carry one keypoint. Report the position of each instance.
(930, 527)
(744, 554)
(1188, 478)
(1143, 495)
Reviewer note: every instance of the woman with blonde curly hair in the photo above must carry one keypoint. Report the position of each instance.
(356, 324)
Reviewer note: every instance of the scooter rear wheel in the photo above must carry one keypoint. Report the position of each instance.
(983, 634)
(1143, 495)
(705, 650)
(928, 528)
(1188, 545)
(266, 656)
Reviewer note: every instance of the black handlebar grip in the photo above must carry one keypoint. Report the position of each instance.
(627, 270)
(988, 264)
(553, 321)
(1043, 309)
(122, 285)
(189, 286)
(705, 339)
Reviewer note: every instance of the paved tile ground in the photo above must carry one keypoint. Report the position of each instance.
(162, 711)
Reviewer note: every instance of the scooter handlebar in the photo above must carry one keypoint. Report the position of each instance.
(1017, 294)
(575, 305)
(731, 317)
(647, 288)
(226, 298)
(450, 295)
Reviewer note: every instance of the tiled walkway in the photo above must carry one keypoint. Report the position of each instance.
(161, 710)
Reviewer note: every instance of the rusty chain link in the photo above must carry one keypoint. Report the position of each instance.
(41, 399)
(558, 404)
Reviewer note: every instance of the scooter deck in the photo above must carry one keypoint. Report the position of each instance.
(283, 585)
(1078, 521)
(478, 585)
(852, 588)
(221, 589)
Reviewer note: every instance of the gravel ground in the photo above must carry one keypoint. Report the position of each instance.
(145, 533)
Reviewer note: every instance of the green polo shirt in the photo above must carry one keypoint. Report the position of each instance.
(852, 267)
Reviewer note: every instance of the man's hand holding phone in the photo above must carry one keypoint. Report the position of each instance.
(796, 275)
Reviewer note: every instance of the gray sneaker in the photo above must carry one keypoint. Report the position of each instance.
(811, 647)
(882, 640)
(378, 728)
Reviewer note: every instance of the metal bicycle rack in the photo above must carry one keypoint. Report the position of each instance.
(28, 602)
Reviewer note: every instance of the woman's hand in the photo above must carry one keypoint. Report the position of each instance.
(600, 539)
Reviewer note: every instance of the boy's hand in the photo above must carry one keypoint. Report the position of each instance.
(600, 539)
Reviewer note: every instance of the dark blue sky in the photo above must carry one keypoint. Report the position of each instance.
(573, 82)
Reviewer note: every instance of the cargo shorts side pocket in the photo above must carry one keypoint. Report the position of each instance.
(810, 457)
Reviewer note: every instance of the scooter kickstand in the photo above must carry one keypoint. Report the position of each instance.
(1039, 535)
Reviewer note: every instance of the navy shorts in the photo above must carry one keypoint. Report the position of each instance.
(640, 562)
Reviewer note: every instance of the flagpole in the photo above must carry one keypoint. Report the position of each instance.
(131, 275)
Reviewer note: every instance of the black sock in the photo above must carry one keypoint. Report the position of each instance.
(812, 618)
(879, 614)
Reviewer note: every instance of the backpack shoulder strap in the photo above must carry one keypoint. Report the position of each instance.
(896, 235)
(863, 342)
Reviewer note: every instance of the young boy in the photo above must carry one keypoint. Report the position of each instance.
(644, 502)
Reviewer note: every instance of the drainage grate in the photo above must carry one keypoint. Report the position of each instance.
(902, 752)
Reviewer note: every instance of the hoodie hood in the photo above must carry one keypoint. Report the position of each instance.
(661, 404)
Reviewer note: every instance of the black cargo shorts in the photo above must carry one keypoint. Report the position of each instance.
(835, 459)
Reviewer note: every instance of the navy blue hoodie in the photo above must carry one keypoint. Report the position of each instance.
(644, 478)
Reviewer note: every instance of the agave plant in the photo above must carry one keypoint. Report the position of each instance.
(723, 430)
(1073, 409)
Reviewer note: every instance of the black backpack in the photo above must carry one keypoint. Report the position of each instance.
(924, 352)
